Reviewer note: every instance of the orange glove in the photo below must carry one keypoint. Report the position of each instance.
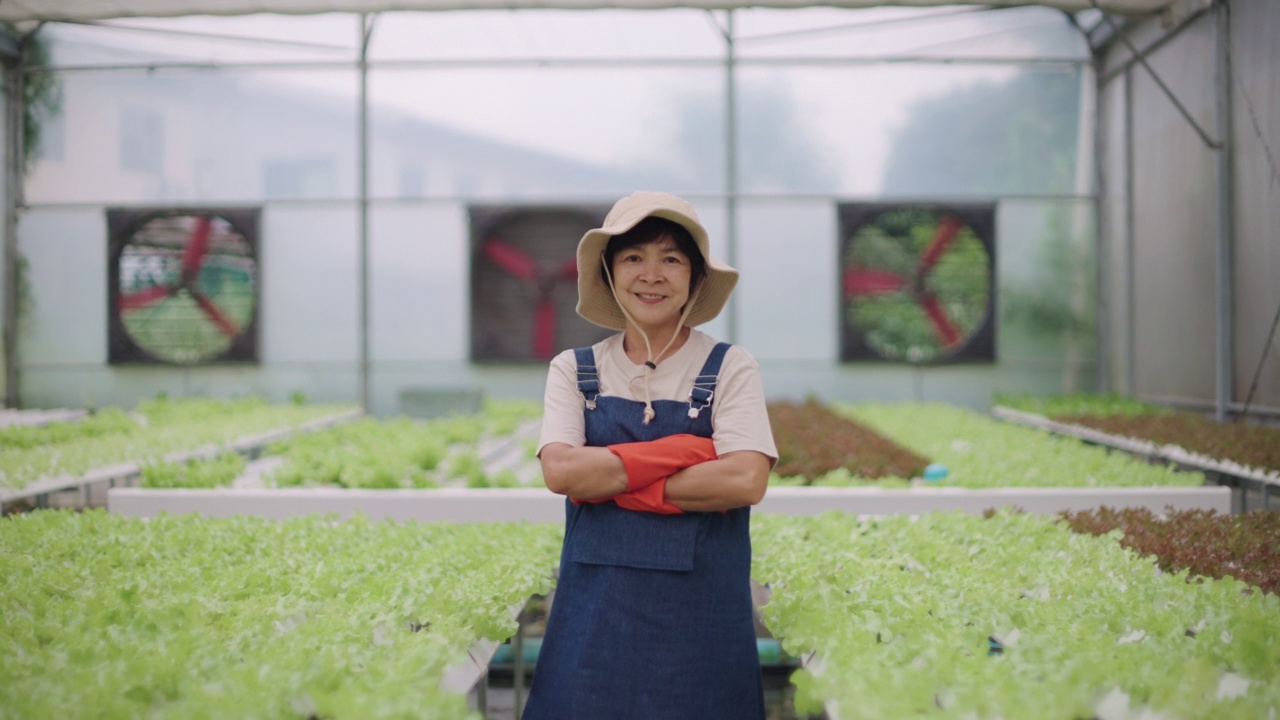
(648, 462)
(650, 498)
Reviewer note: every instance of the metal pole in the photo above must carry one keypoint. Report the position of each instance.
(366, 28)
(1103, 291)
(1130, 226)
(13, 131)
(731, 165)
(517, 666)
(1086, 135)
(1225, 202)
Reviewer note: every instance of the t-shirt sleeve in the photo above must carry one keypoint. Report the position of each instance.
(739, 415)
(562, 420)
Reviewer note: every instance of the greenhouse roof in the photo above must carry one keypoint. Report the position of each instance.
(88, 10)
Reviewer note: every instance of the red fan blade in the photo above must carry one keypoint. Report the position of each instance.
(196, 248)
(948, 228)
(947, 333)
(511, 258)
(861, 281)
(223, 322)
(569, 270)
(544, 328)
(143, 298)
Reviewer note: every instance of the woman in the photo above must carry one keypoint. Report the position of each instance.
(659, 439)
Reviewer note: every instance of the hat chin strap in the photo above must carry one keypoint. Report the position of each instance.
(650, 363)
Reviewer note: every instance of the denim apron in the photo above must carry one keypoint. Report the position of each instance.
(652, 618)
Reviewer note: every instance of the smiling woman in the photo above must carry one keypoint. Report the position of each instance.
(657, 551)
(653, 272)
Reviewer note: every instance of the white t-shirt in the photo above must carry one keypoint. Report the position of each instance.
(738, 414)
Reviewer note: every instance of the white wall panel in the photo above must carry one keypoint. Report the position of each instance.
(66, 254)
(310, 299)
(1256, 62)
(1175, 325)
(419, 283)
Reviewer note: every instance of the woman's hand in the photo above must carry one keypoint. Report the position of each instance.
(734, 480)
(582, 473)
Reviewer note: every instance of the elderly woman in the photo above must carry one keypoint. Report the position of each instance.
(659, 439)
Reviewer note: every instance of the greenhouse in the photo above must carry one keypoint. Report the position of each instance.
(282, 281)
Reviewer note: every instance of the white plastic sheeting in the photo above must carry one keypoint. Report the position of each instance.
(85, 10)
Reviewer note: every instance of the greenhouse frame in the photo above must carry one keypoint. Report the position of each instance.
(1123, 151)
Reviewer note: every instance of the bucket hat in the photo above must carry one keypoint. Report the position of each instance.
(595, 301)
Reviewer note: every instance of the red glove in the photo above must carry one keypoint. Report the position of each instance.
(648, 462)
(650, 498)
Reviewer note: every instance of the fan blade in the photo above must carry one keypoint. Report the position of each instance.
(196, 248)
(511, 258)
(143, 298)
(223, 322)
(544, 329)
(948, 228)
(948, 335)
(861, 281)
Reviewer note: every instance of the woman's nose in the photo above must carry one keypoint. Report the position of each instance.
(652, 271)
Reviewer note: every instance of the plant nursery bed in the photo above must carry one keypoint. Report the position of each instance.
(119, 473)
(1249, 481)
(813, 441)
(951, 615)
(111, 444)
(1245, 443)
(195, 617)
(1207, 544)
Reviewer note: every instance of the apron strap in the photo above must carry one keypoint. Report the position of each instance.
(704, 385)
(588, 376)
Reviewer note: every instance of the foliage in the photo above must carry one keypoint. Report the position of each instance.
(952, 615)
(41, 93)
(1249, 444)
(107, 421)
(1078, 404)
(196, 473)
(777, 151)
(1057, 299)
(1246, 443)
(368, 453)
(813, 442)
(193, 617)
(1208, 544)
(401, 452)
(990, 138)
(156, 429)
(982, 452)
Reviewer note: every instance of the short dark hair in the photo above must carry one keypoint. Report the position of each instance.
(652, 229)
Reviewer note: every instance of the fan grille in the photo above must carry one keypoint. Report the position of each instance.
(917, 283)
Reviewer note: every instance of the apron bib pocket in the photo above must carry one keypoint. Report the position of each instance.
(606, 534)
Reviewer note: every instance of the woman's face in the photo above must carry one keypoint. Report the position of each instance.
(652, 283)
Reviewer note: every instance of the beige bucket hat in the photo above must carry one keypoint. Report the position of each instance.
(595, 301)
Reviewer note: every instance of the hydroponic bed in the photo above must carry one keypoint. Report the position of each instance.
(112, 446)
(938, 615)
(374, 466)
